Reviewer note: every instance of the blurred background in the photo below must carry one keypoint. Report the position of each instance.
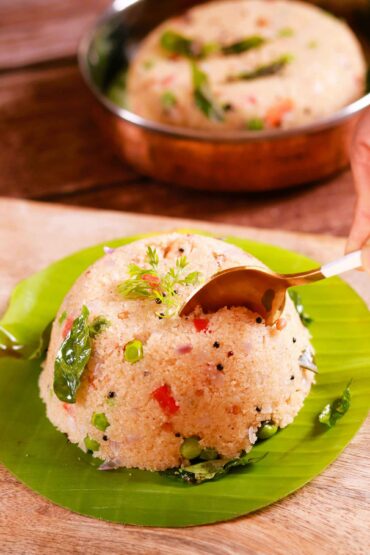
(51, 149)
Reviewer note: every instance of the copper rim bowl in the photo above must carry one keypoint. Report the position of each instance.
(223, 161)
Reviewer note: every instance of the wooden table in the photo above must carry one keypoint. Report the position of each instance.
(51, 150)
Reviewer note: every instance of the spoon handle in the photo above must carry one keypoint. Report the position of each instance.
(351, 261)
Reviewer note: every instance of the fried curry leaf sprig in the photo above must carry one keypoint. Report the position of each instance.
(273, 68)
(148, 283)
(211, 470)
(180, 45)
(72, 358)
(203, 97)
(74, 354)
(332, 412)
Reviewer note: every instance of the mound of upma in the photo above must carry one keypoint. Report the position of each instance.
(129, 380)
(246, 64)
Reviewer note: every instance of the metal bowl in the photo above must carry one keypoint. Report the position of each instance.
(222, 161)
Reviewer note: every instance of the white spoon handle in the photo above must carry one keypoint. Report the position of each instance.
(351, 261)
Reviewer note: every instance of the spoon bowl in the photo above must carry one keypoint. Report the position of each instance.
(260, 289)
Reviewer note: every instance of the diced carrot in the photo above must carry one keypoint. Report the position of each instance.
(201, 324)
(163, 396)
(275, 114)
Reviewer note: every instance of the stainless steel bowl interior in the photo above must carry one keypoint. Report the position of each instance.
(111, 43)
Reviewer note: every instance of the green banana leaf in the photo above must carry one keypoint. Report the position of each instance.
(40, 457)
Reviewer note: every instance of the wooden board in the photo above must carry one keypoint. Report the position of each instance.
(330, 515)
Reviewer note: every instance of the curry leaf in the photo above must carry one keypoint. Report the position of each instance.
(203, 96)
(191, 48)
(72, 358)
(211, 470)
(331, 413)
(178, 44)
(243, 45)
(273, 68)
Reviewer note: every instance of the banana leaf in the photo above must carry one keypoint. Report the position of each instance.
(41, 457)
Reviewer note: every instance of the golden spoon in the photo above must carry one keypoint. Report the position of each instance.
(260, 289)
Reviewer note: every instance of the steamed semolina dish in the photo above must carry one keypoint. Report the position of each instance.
(246, 65)
(131, 381)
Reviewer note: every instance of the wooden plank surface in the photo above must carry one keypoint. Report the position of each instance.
(320, 208)
(49, 145)
(34, 31)
(330, 515)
